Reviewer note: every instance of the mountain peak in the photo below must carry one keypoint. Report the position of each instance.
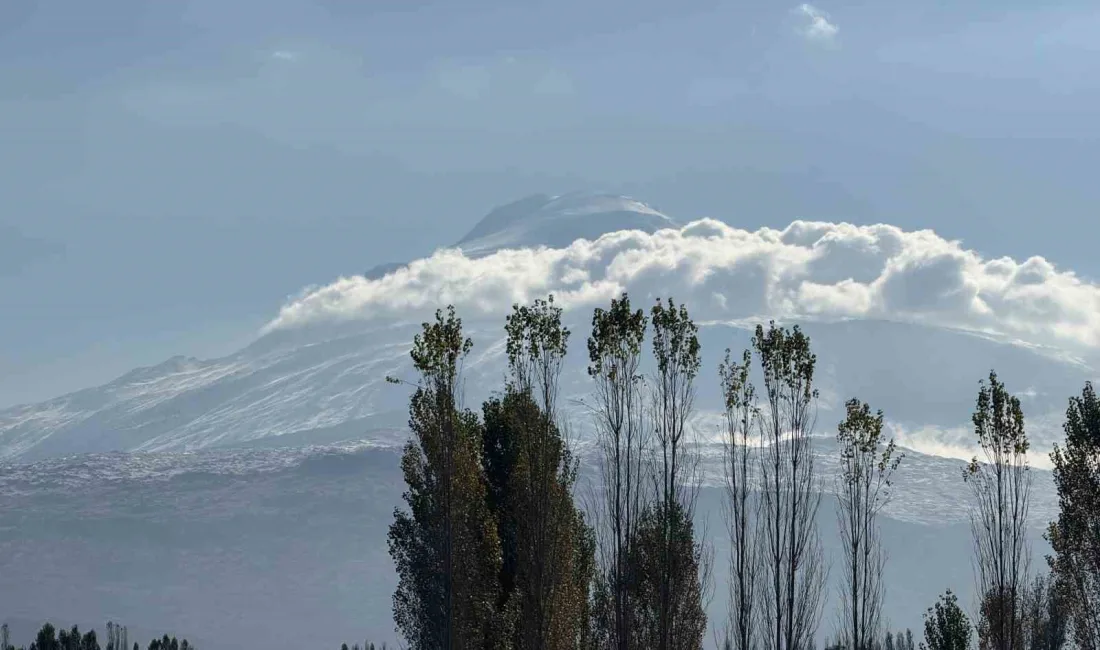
(557, 221)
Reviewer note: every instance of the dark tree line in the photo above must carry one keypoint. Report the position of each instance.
(117, 638)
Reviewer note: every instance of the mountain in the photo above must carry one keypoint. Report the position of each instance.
(322, 380)
(318, 383)
(553, 221)
(558, 221)
(222, 498)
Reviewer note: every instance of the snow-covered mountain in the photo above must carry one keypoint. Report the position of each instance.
(316, 374)
(558, 221)
(232, 494)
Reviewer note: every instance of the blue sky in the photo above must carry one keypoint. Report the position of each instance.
(171, 171)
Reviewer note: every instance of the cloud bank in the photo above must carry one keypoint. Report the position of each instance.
(809, 270)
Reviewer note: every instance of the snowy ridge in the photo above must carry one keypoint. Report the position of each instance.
(333, 389)
(557, 221)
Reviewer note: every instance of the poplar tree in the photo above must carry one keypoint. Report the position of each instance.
(793, 571)
(668, 562)
(531, 473)
(867, 465)
(1075, 534)
(445, 545)
(1000, 484)
(614, 353)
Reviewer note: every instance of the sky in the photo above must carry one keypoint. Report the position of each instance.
(171, 172)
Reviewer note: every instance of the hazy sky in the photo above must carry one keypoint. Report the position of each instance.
(171, 171)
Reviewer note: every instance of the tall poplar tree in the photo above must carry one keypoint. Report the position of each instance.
(547, 570)
(445, 546)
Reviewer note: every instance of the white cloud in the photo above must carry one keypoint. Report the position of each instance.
(815, 24)
(284, 55)
(808, 271)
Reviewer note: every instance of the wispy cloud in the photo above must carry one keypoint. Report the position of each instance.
(284, 55)
(815, 24)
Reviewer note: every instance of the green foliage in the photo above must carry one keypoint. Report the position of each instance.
(863, 489)
(666, 561)
(793, 566)
(499, 456)
(675, 341)
(614, 349)
(530, 473)
(545, 542)
(860, 434)
(536, 345)
(1001, 487)
(787, 361)
(445, 546)
(1075, 534)
(169, 643)
(903, 640)
(1045, 615)
(738, 393)
(46, 639)
(742, 500)
(617, 335)
(665, 589)
(946, 626)
(999, 420)
(49, 638)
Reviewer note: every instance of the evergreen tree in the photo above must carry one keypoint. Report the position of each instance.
(46, 639)
(445, 546)
(946, 626)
